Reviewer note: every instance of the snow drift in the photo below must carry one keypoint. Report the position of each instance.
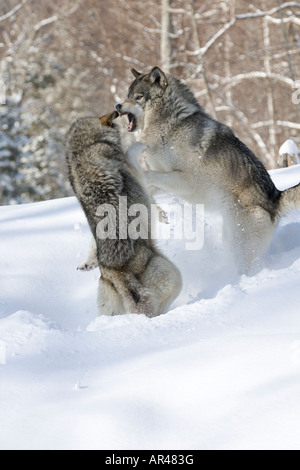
(221, 370)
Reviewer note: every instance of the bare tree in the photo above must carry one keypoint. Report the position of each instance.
(247, 65)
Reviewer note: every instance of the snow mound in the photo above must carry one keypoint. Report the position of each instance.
(290, 147)
(219, 371)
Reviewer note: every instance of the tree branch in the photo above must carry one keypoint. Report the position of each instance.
(233, 81)
(290, 19)
(261, 14)
(12, 12)
(208, 45)
(45, 22)
(289, 124)
(246, 16)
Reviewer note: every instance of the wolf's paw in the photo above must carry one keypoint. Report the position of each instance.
(162, 216)
(87, 267)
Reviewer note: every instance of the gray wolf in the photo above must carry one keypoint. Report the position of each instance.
(191, 155)
(136, 277)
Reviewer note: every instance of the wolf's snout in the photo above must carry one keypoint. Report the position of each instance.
(132, 120)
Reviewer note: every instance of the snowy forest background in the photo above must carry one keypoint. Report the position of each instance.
(62, 60)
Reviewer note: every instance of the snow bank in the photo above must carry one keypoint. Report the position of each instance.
(219, 371)
(290, 147)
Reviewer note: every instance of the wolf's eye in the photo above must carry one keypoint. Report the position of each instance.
(139, 97)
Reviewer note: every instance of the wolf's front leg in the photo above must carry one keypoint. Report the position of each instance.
(92, 260)
(109, 300)
(133, 156)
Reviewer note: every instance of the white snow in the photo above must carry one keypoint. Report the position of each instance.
(290, 147)
(221, 370)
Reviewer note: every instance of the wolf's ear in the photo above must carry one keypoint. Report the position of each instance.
(157, 76)
(108, 119)
(135, 73)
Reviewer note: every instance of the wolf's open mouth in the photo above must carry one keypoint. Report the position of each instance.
(132, 124)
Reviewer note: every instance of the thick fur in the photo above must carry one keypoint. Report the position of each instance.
(201, 160)
(136, 277)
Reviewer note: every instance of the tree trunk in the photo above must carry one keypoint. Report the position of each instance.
(270, 99)
(166, 39)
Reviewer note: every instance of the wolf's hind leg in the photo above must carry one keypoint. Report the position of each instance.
(156, 289)
(136, 298)
(163, 280)
(150, 294)
(249, 236)
(109, 301)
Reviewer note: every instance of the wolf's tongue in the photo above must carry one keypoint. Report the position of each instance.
(130, 122)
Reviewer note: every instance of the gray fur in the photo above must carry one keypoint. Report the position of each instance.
(136, 277)
(202, 161)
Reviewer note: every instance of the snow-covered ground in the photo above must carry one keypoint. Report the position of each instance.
(221, 370)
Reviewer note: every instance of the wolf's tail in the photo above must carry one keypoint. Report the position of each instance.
(290, 200)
